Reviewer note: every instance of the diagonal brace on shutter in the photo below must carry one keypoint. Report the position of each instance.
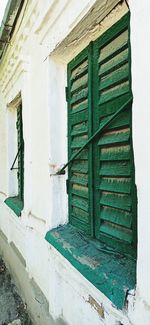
(101, 128)
(12, 167)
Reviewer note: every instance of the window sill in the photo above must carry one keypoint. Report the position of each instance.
(110, 272)
(15, 204)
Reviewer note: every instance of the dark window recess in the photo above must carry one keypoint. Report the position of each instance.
(16, 203)
(101, 182)
(20, 174)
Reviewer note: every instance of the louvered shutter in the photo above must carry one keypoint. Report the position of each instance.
(79, 120)
(20, 154)
(113, 156)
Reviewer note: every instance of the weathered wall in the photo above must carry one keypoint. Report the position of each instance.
(47, 36)
(140, 26)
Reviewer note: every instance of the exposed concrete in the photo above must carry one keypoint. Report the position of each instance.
(12, 309)
(30, 292)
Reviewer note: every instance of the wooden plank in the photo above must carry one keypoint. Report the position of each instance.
(80, 167)
(112, 47)
(112, 105)
(82, 156)
(114, 63)
(81, 194)
(80, 203)
(117, 216)
(79, 141)
(114, 92)
(116, 184)
(115, 153)
(81, 128)
(79, 96)
(113, 137)
(80, 214)
(79, 179)
(79, 71)
(80, 225)
(79, 84)
(79, 107)
(115, 168)
(78, 118)
(122, 120)
(115, 77)
(117, 231)
(116, 200)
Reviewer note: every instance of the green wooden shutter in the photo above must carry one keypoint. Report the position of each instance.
(79, 130)
(20, 154)
(113, 155)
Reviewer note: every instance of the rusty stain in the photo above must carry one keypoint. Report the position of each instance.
(98, 307)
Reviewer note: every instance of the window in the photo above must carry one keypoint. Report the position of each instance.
(101, 186)
(16, 202)
(20, 141)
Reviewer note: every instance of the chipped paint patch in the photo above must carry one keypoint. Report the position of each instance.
(98, 307)
(91, 262)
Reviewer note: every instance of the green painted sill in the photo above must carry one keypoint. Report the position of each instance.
(15, 204)
(110, 272)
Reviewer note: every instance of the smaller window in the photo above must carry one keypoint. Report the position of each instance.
(16, 203)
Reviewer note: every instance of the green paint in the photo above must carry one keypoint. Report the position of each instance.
(110, 272)
(20, 140)
(15, 204)
(99, 85)
(101, 186)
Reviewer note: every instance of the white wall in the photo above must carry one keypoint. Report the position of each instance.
(35, 67)
(140, 26)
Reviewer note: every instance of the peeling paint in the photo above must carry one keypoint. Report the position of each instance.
(98, 307)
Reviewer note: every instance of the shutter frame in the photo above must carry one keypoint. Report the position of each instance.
(81, 116)
(20, 154)
(121, 238)
(102, 107)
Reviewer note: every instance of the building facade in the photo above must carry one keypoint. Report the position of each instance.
(74, 206)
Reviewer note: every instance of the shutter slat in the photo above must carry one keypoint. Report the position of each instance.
(80, 203)
(79, 106)
(119, 217)
(78, 141)
(116, 184)
(113, 137)
(80, 84)
(115, 153)
(114, 78)
(112, 168)
(114, 63)
(79, 179)
(80, 129)
(79, 117)
(114, 92)
(83, 154)
(80, 167)
(79, 71)
(116, 200)
(119, 121)
(78, 97)
(80, 191)
(116, 231)
(112, 47)
(111, 106)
